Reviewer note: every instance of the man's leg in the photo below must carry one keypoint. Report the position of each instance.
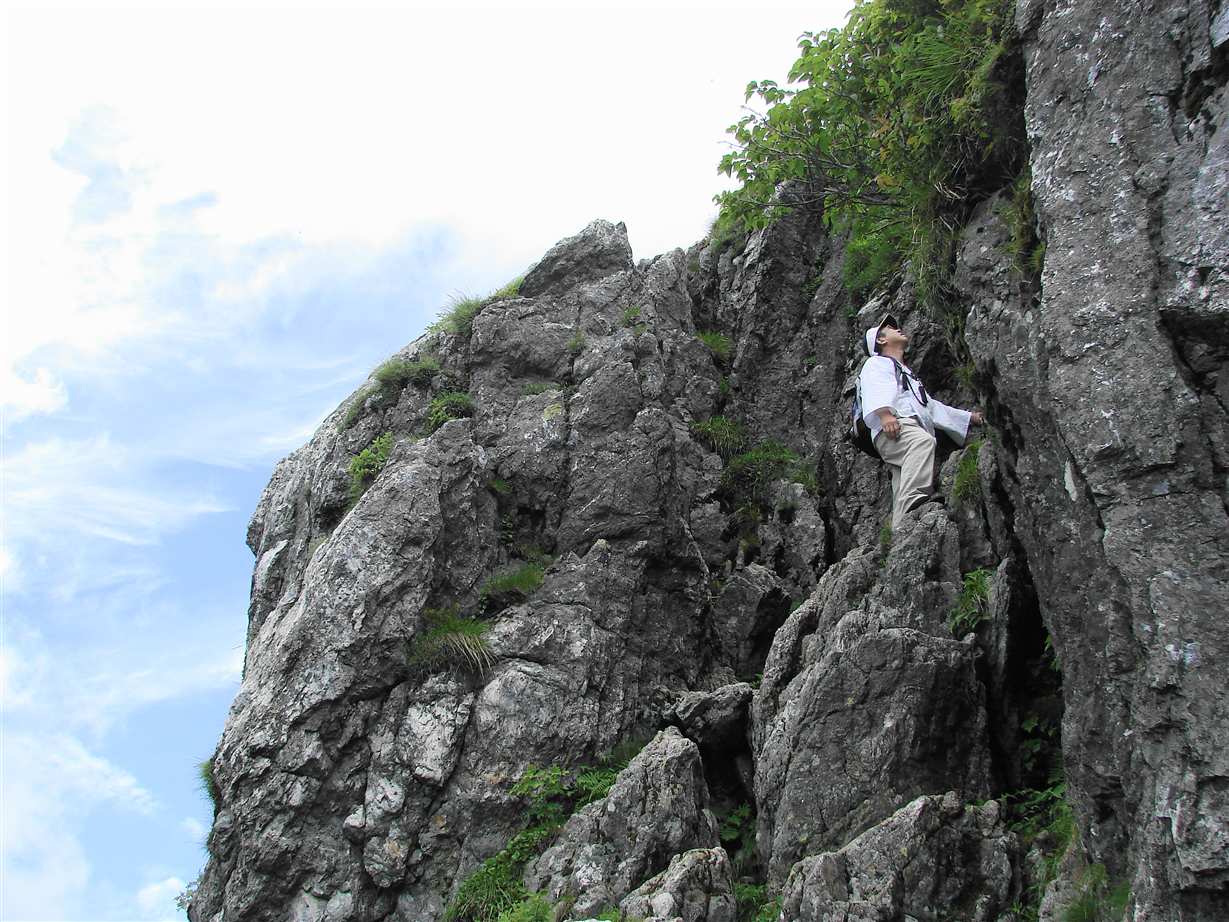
(913, 455)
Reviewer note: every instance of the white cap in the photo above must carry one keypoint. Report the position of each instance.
(873, 333)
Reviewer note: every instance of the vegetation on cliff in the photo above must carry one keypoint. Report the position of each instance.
(894, 125)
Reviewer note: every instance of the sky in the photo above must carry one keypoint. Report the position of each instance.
(218, 221)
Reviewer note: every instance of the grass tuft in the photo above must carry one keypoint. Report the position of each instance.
(451, 643)
(718, 344)
(209, 784)
(749, 474)
(496, 887)
(972, 605)
(967, 483)
(513, 586)
(448, 405)
(367, 464)
(458, 318)
(396, 373)
(722, 435)
(539, 387)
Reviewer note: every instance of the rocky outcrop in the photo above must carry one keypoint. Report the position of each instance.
(932, 858)
(1109, 391)
(657, 809)
(697, 887)
(866, 688)
(837, 696)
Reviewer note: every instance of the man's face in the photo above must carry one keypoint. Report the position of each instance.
(889, 335)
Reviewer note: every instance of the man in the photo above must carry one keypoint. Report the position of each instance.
(902, 418)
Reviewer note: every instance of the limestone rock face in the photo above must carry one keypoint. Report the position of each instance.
(657, 809)
(697, 887)
(1109, 388)
(866, 689)
(824, 700)
(599, 251)
(929, 858)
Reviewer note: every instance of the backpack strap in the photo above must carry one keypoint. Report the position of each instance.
(904, 381)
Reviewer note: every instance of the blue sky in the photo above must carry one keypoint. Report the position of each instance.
(217, 224)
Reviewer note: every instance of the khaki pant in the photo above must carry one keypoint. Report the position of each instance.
(911, 457)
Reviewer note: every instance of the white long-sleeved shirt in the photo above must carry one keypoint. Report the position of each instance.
(877, 381)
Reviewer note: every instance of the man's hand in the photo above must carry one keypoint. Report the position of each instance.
(891, 425)
(977, 418)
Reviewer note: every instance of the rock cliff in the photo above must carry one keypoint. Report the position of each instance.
(615, 512)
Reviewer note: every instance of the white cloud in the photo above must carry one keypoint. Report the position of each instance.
(22, 397)
(193, 827)
(50, 783)
(94, 685)
(97, 487)
(157, 900)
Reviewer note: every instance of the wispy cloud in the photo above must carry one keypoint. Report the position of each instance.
(90, 687)
(50, 783)
(157, 900)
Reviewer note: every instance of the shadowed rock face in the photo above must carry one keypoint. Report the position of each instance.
(1110, 386)
(783, 654)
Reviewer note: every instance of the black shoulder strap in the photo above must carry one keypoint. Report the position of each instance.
(905, 380)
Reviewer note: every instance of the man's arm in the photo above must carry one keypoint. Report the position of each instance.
(878, 383)
(953, 421)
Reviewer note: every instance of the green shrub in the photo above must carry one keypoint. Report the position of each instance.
(458, 318)
(513, 585)
(895, 123)
(451, 643)
(972, 605)
(631, 316)
(367, 464)
(749, 474)
(885, 537)
(496, 886)
(209, 784)
(727, 231)
(722, 435)
(448, 405)
(555, 793)
(1027, 252)
(355, 410)
(1042, 818)
(183, 899)
(576, 345)
(723, 386)
(749, 900)
(594, 784)
(967, 483)
(718, 344)
(737, 834)
(1097, 898)
(499, 486)
(511, 290)
(534, 908)
(769, 911)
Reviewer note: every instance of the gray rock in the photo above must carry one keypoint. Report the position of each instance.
(657, 808)
(716, 719)
(1110, 392)
(933, 858)
(866, 689)
(600, 250)
(698, 886)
